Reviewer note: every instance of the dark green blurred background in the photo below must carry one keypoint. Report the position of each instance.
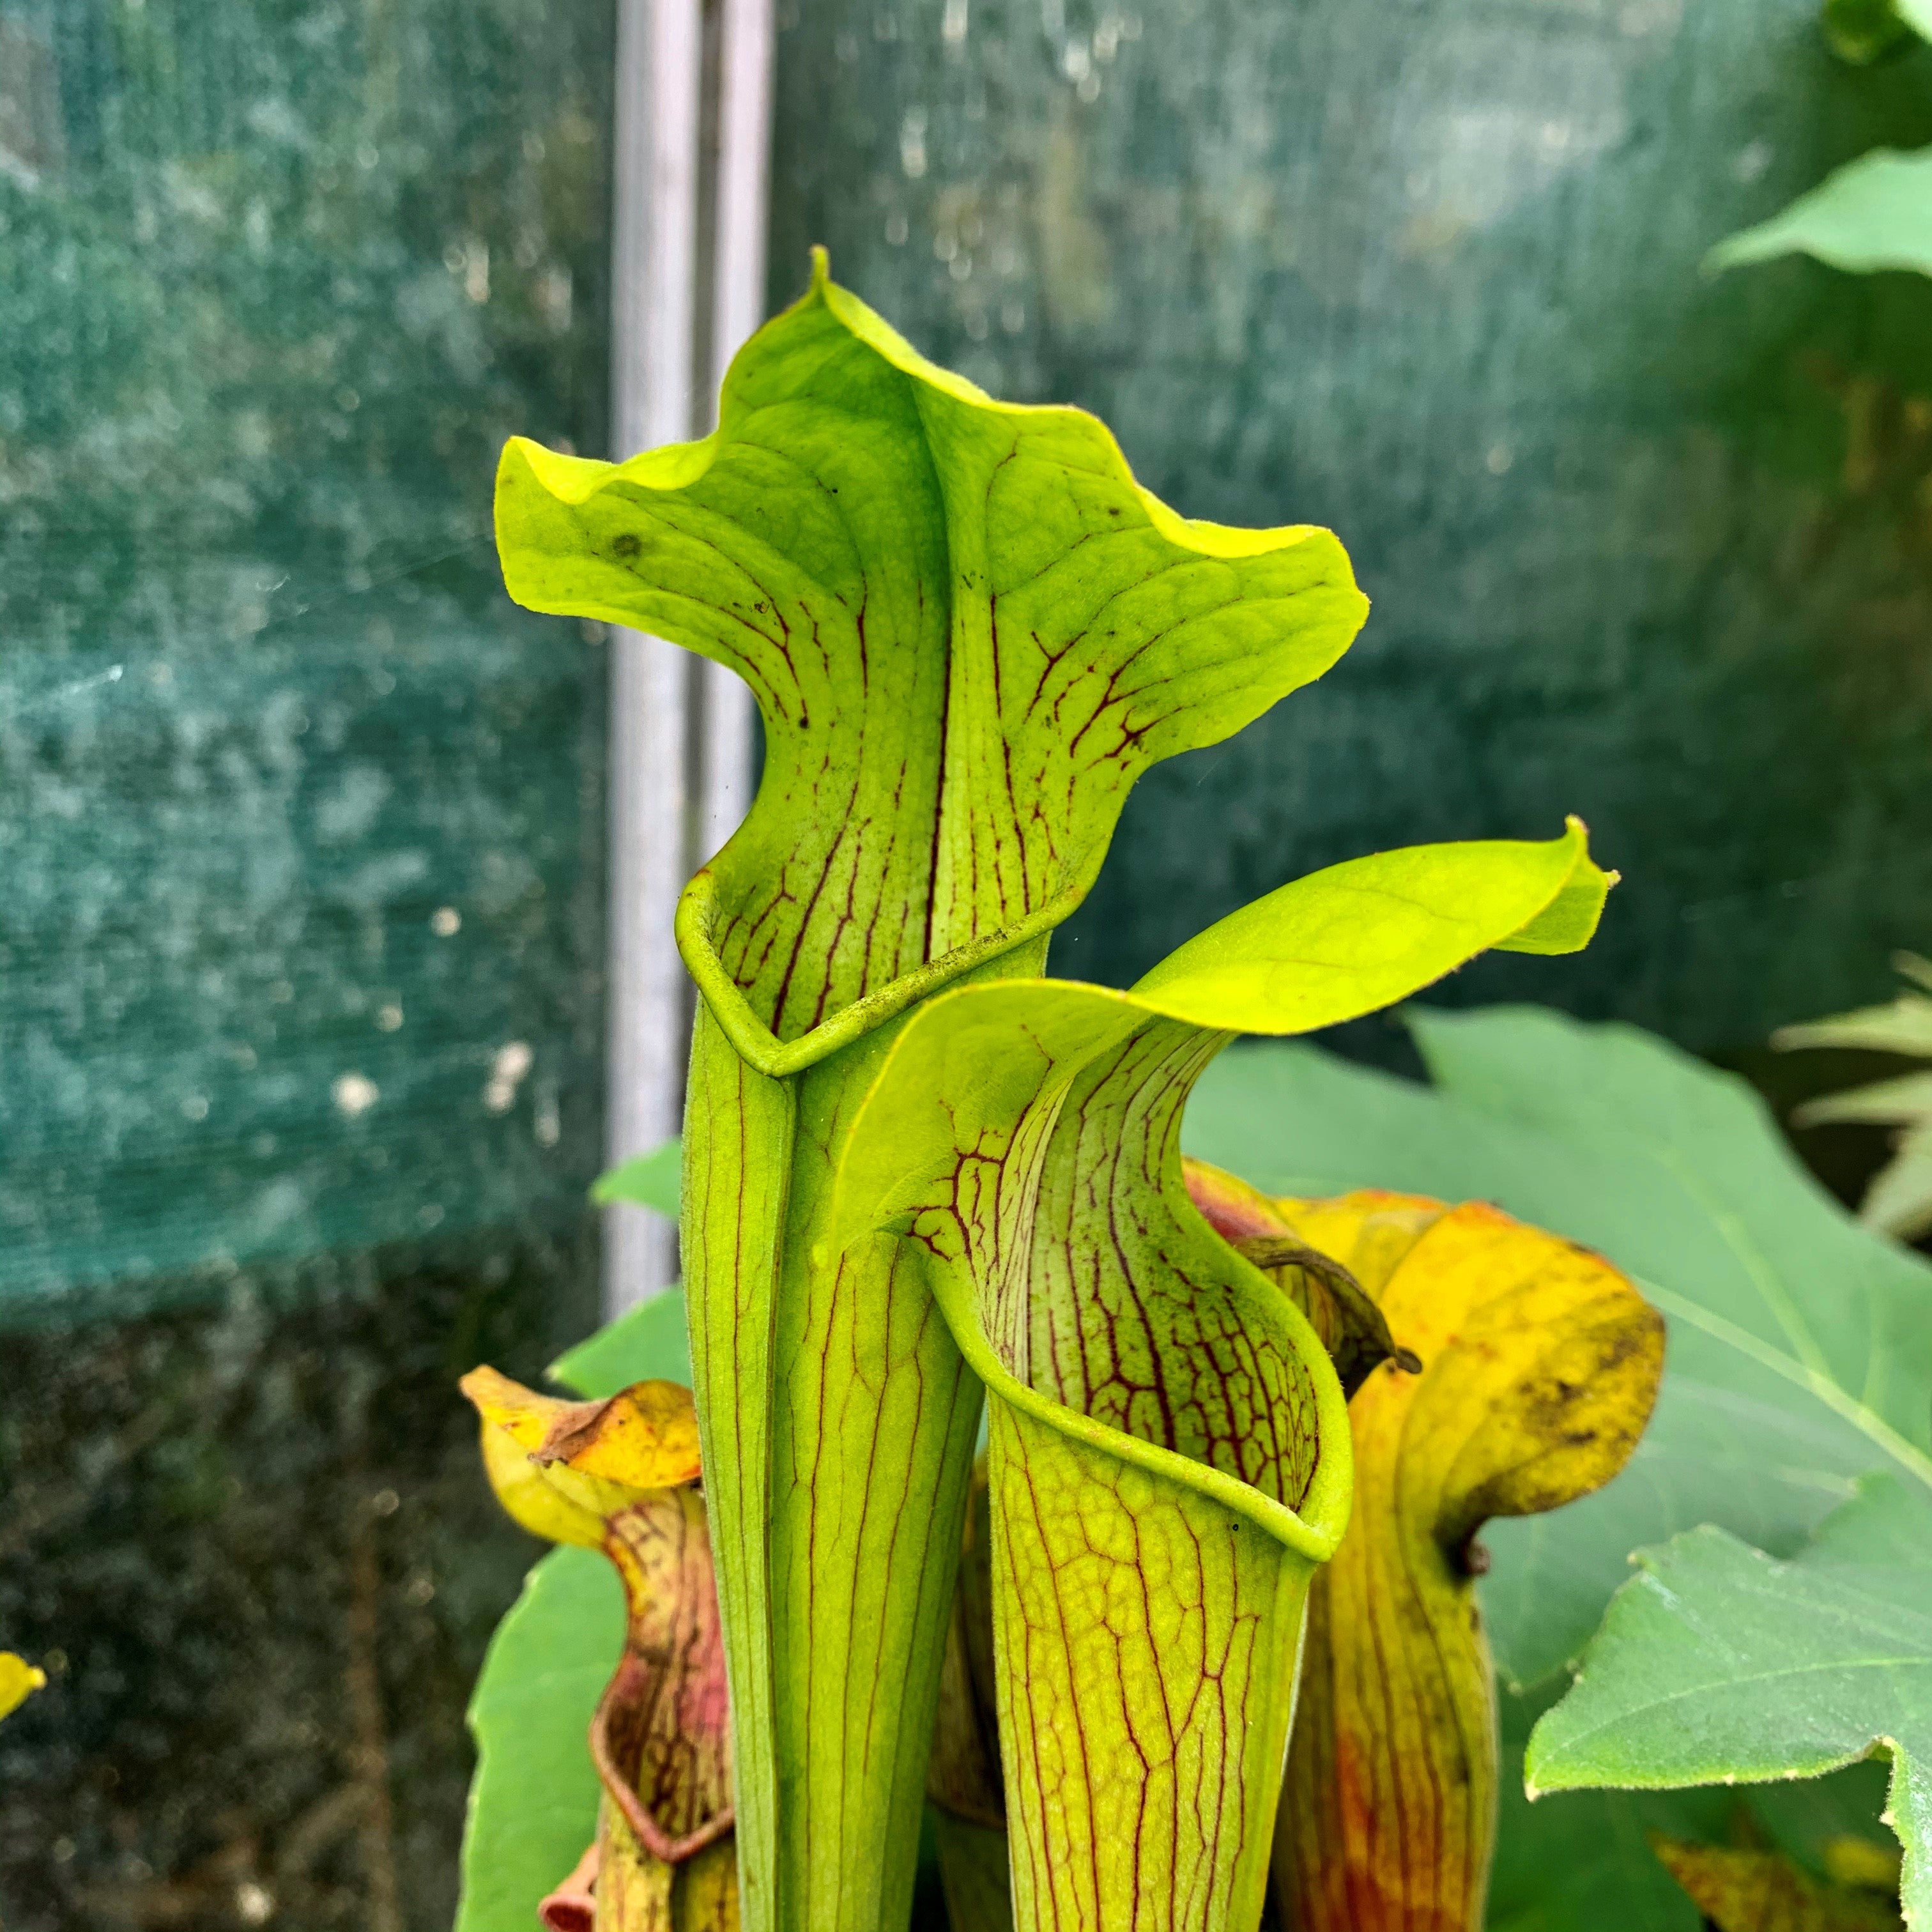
(301, 932)
(300, 823)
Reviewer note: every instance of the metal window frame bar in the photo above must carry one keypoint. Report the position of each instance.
(680, 729)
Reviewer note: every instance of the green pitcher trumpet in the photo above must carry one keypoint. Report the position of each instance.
(1170, 1446)
(968, 630)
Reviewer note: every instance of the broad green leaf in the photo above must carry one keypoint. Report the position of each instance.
(19, 1681)
(1169, 1442)
(533, 1800)
(650, 1180)
(1718, 1664)
(1861, 31)
(968, 630)
(1581, 1861)
(1873, 213)
(1751, 1891)
(1800, 1344)
(533, 1796)
(649, 1342)
(1539, 1366)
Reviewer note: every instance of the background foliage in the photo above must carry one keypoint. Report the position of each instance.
(1800, 1360)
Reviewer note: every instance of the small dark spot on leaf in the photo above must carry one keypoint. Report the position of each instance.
(627, 545)
(1472, 1559)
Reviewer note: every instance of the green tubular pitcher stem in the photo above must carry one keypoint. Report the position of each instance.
(1169, 1452)
(839, 1422)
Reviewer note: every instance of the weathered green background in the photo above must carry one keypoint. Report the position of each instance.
(1643, 545)
(277, 277)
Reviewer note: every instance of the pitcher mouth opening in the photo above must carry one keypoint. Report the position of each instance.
(761, 1049)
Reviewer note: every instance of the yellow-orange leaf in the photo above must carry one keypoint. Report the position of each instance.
(19, 1681)
(662, 1737)
(1540, 1364)
(561, 1468)
(1744, 1891)
(1340, 1308)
